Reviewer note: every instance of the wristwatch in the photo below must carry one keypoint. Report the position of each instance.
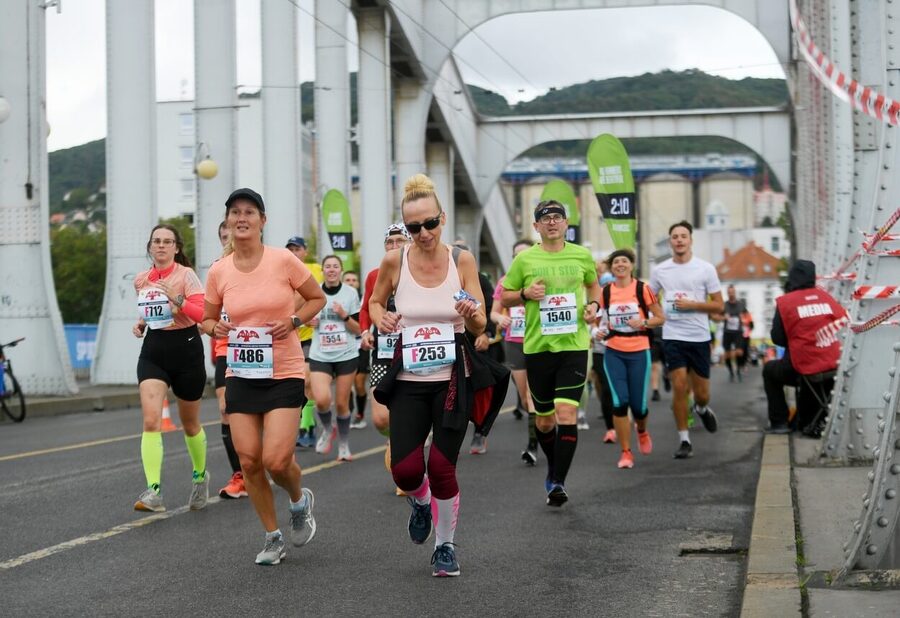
(179, 300)
(346, 318)
(522, 295)
(295, 321)
(646, 324)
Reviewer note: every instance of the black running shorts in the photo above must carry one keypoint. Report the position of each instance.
(556, 377)
(176, 358)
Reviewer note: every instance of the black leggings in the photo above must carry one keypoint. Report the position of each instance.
(605, 394)
(417, 408)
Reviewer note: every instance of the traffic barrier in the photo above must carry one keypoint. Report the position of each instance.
(167, 424)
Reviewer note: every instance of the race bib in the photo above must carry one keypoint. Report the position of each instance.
(386, 345)
(671, 312)
(154, 308)
(559, 314)
(250, 352)
(428, 348)
(517, 324)
(333, 336)
(620, 314)
(733, 323)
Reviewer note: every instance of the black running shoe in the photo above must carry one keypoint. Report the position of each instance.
(557, 495)
(685, 451)
(529, 456)
(419, 521)
(708, 417)
(517, 412)
(655, 396)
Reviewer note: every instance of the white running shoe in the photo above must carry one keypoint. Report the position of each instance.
(325, 441)
(344, 453)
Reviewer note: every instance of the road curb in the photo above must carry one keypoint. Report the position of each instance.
(772, 587)
(115, 398)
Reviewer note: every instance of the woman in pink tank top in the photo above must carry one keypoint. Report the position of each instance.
(426, 280)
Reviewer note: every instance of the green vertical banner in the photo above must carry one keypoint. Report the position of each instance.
(562, 192)
(610, 174)
(336, 218)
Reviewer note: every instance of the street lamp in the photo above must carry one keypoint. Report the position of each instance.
(205, 167)
(5, 109)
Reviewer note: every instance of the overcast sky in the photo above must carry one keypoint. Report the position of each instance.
(548, 49)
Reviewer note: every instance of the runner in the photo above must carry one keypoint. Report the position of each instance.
(746, 333)
(691, 292)
(351, 279)
(598, 350)
(732, 333)
(334, 357)
(235, 487)
(381, 347)
(512, 321)
(264, 381)
(631, 310)
(307, 436)
(169, 301)
(432, 314)
(550, 279)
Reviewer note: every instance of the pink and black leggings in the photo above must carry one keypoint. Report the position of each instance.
(417, 408)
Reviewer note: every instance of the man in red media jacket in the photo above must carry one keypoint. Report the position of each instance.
(807, 321)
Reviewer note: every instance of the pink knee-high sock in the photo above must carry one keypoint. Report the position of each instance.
(422, 495)
(444, 514)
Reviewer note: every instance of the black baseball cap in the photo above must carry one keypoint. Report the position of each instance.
(247, 194)
(297, 241)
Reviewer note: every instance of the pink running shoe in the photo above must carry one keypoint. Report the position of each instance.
(645, 444)
(609, 437)
(626, 460)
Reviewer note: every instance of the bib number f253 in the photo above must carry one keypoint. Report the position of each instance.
(428, 348)
(250, 352)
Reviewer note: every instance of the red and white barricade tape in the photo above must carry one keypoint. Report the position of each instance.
(862, 98)
(879, 320)
(868, 292)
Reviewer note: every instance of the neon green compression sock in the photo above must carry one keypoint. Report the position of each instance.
(196, 446)
(152, 458)
(308, 416)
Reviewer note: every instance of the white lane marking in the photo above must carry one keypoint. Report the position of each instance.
(144, 521)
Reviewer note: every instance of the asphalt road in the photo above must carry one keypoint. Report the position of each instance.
(70, 543)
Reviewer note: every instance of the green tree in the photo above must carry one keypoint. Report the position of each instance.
(79, 272)
(186, 229)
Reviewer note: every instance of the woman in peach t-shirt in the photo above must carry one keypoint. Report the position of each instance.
(265, 376)
(170, 303)
(627, 358)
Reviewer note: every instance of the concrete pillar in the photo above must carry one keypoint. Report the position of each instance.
(439, 164)
(332, 103)
(374, 105)
(214, 109)
(27, 296)
(412, 100)
(281, 122)
(130, 183)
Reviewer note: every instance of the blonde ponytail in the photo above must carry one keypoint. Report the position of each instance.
(417, 187)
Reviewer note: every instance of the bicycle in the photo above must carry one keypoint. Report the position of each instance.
(10, 391)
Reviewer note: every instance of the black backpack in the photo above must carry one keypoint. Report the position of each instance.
(639, 291)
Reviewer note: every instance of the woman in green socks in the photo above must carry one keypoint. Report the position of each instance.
(170, 304)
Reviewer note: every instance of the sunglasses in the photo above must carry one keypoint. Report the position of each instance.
(428, 224)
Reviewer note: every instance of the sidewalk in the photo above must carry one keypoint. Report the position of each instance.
(803, 516)
(90, 398)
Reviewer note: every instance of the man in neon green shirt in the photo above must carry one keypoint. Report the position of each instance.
(557, 283)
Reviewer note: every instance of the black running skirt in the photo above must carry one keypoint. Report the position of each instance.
(247, 396)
